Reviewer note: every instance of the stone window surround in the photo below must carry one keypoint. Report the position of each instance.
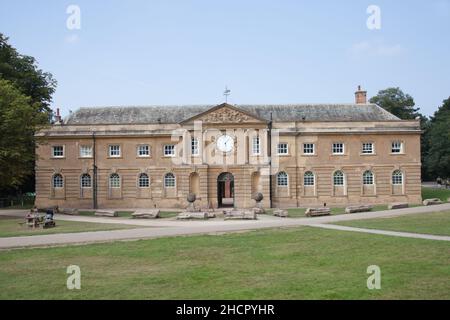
(63, 151)
(333, 145)
(256, 145)
(287, 149)
(120, 151)
(313, 153)
(174, 180)
(83, 181)
(57, 185)
(362, 153)
(169, 155)
(195, 145)
(143, 155)
(85, 157)
(278, 179)
(402, 147)
(141, 179)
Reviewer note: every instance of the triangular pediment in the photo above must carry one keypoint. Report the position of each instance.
(225, 113)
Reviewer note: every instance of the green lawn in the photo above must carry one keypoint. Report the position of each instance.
(429, 193)
(10, 227)
(437, 223)
(295, 263)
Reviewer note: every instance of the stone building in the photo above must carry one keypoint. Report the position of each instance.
(296, 155)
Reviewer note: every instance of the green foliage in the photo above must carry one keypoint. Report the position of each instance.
(26, 94)
(23, 72)
(396, 102)
(19, 119)
(437, 159)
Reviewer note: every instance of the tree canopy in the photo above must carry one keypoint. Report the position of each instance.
(437, 159)
(396, 102)
(19, 119)
(25, 96)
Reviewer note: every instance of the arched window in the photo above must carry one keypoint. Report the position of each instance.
(282, 179)
(397, 177)
(338, 178)
(169, 180)
(58, 181)
(86, 181)
(308, 179)
(143, 180)
(368, 177)
(114, 181)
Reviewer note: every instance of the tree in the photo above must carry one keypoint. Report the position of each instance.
(19, 119)
(22, 73)
(396, 102)
(437, 159)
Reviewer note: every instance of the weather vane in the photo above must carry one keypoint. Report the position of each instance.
(226, 93)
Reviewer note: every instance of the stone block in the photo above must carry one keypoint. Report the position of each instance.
(240, 215)
(146, 214)
(106, 213)
(280, 213)
(398, 205)
(430, 202)
(359, 208)
(192, 215)
(258, 210)
(316, 212)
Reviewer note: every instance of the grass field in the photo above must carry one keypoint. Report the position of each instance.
(10, 227)
(443, 194)
(437, 223)
(296, 263)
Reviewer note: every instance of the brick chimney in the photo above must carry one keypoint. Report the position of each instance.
(360, 96)
(58, 119)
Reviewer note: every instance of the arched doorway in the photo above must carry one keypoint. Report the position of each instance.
(225, 190)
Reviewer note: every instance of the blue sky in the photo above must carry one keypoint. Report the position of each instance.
(186, 52)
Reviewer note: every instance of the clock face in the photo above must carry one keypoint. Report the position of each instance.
(225, 143)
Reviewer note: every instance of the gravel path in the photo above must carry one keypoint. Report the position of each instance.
(170, 227)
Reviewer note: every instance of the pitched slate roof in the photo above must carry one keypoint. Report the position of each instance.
(176, 114)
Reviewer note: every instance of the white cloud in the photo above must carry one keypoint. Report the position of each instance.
(377, 48)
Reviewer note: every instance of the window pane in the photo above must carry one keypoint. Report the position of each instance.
(85, 151)
(282, 179)
(58, 151)
(114, 151)
(308, 148)
(397, 177)
(338, 148)
(169, 180)
(169, 150)
(194, 146)
(58, 181)
(85, 181)
(308, 179)
(367, 148)
(144, 180)
(368, 178)
(143, 150)
(338, 178)
(256, 146)
(114, 180)
(282, 148)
